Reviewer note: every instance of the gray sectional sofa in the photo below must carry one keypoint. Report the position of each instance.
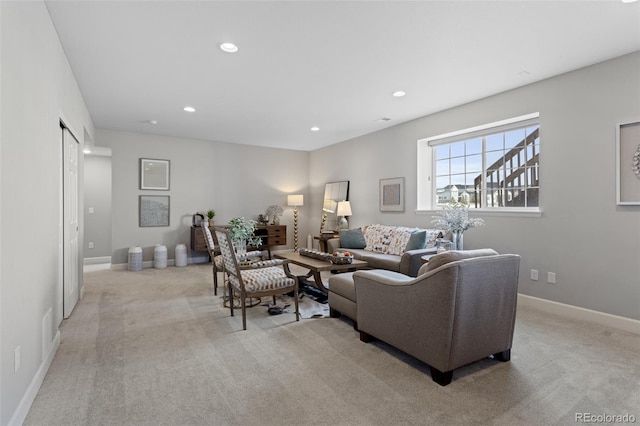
(461, 308)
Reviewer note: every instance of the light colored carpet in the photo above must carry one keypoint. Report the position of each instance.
(155, 347)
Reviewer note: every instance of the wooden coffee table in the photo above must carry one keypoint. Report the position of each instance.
(315, 266)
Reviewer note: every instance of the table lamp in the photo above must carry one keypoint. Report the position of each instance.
(344, 209)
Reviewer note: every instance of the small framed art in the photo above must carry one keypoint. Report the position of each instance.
(628, 163)
(154, 210)
(154, 174)
(392, 195)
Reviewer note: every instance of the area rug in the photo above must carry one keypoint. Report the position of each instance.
(308, 307)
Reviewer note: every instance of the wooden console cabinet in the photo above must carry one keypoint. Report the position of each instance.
(271, 235)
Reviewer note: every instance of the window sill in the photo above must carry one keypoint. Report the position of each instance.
(497, 212)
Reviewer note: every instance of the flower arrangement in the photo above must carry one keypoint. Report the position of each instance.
(455, 218)
(274, 212)
(243, 231)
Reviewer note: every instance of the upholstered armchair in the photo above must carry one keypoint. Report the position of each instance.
(459, 309)
(216, 259)
(257, 279)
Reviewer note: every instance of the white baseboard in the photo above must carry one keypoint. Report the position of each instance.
(97, 260)
(575, 312)
(149, 263)
(32, 391)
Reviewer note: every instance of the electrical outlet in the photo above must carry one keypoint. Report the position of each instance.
(90, 244)
(16, 359)
(534, 275)
(551, 277)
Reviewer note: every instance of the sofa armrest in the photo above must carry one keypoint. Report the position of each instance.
(333, 244)
(451, 316)
(411, 260)
(414, 315)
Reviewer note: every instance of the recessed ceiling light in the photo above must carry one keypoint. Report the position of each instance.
(315, 129)
(399, 94)
(154, 122)
(189, 109)
(228, 47)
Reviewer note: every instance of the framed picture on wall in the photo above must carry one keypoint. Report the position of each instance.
(392, 195)
(154, 174)
(154, 210)
(628, 163)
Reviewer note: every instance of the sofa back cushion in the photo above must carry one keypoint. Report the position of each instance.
(452, 256)
(417, 240)
(352, 238)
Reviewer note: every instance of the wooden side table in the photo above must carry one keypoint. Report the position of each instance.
(322, 240)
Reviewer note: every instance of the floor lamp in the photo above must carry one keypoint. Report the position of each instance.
(295, 201)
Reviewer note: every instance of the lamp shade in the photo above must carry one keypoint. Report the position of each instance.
(295, 200)
(344, 208)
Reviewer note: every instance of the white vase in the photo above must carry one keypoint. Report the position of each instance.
(241, 247)
(457, 242)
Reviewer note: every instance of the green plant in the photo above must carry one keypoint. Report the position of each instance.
(243, 230)
(211, 213)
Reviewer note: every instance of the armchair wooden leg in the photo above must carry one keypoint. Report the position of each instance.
(443, 379)
(243, 304)
(364, 337)
(333, 313)
(295, 296)
(230, 288)
(215, 282)
(503, 356)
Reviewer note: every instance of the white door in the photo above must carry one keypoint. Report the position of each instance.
(70, 221)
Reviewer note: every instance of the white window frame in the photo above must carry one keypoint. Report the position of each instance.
(426, 183)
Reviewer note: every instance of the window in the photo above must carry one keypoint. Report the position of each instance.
(491, 166)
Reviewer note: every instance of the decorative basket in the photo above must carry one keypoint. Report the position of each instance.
(315, 254)
(341, 260)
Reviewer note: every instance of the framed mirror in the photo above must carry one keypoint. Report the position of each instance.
(154, 174)
(333, 192)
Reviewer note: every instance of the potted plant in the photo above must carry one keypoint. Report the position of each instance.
(241, 233)
(211, 214)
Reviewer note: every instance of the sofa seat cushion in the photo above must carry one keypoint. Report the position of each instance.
(390, 262)
(342, 284)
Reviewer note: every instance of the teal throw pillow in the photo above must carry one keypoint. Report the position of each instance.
(417, 240)
(352, 238)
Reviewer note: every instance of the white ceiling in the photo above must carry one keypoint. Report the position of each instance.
(331, 64)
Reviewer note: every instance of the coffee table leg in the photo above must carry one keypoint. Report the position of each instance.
(318, 280)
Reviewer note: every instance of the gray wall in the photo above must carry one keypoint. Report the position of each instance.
(97, 196)
(235, 180)
(590, 243)
(38, 88)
